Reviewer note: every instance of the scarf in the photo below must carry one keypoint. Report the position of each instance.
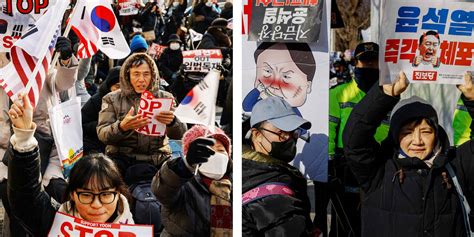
(221, 206)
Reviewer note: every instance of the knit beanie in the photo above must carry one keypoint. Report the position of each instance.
(198, 131)
(113, 76)
(137, 43)
(409, 110)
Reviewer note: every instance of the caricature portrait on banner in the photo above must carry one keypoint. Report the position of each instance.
(295, 70)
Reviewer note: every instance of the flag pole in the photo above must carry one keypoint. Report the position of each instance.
(55, 59)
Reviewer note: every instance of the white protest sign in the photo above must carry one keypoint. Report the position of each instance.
(150, 107)
(201, 60)
(128, 7)
(67, 226)
(432, 43)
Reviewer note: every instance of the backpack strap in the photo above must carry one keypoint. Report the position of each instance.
(466, 209)
(266, 189)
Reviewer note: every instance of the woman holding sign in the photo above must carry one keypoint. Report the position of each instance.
(95, 193)
(414, 184)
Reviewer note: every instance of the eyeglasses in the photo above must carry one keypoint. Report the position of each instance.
(106, 197)
(282, 135)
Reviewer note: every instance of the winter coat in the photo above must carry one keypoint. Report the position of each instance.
(274, 215)
(115, 107)
(148, 19)
(29, 203)
(90, 116)
(185, 201)
(215, 39)
(417, 201)
(61, 79)
(80, 85)
(170, 61)
(209, 15)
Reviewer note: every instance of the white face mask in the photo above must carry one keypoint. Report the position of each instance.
(209, 4)
(175, 4)
(174, 46)
(215, 167)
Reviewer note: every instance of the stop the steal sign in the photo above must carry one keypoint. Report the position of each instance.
(150, 107)
(67, 226)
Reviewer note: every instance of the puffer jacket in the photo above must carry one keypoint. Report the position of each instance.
(404, 196)
(115, 107)
(61, 79)
(30, 205)
(274, 215)
(187, 211)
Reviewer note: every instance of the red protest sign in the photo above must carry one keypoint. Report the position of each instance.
(150, 107)
(66, 225)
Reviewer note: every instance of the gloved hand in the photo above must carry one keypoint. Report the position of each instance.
(64, 47)
(174, 76)
(199, 151)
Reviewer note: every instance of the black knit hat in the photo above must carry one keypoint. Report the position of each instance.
(409, 110)
(219, 22)
(113, 76)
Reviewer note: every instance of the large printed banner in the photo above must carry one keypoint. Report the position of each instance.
(431, 43)
(150, 107)
(298, 73)
(202, 60)
(128, 7)
(66, 225)
(285, 20)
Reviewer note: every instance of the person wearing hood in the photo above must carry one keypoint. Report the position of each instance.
(274, 200)
(201, 204)
(118, 119)
(342, 100)
(171, 59)
(90, 112)
(95, 191)
(407, 180)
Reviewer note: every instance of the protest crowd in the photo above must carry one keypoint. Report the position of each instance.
(127, 119)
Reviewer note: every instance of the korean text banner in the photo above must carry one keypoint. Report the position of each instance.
(285, 20)
(431, 43)
(201, 60)
(298, 73)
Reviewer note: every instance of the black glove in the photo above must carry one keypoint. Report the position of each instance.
(199, 151)
(64, 47)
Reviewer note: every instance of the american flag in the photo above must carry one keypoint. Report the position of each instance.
(22, 66)
(31, 56)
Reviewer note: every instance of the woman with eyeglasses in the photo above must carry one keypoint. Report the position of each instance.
(275, 200)
(96, 191)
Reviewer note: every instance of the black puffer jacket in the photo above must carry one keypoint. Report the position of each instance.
(209, 15)
(169, 63)
(417, 201)
(274, 215)
(90, 113)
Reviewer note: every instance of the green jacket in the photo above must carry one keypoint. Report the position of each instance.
(461, 124)
(342, 100)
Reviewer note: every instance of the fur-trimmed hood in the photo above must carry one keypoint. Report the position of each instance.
(125, 85)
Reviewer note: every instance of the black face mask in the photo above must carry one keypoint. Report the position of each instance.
(366, 77)
(284, 151)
